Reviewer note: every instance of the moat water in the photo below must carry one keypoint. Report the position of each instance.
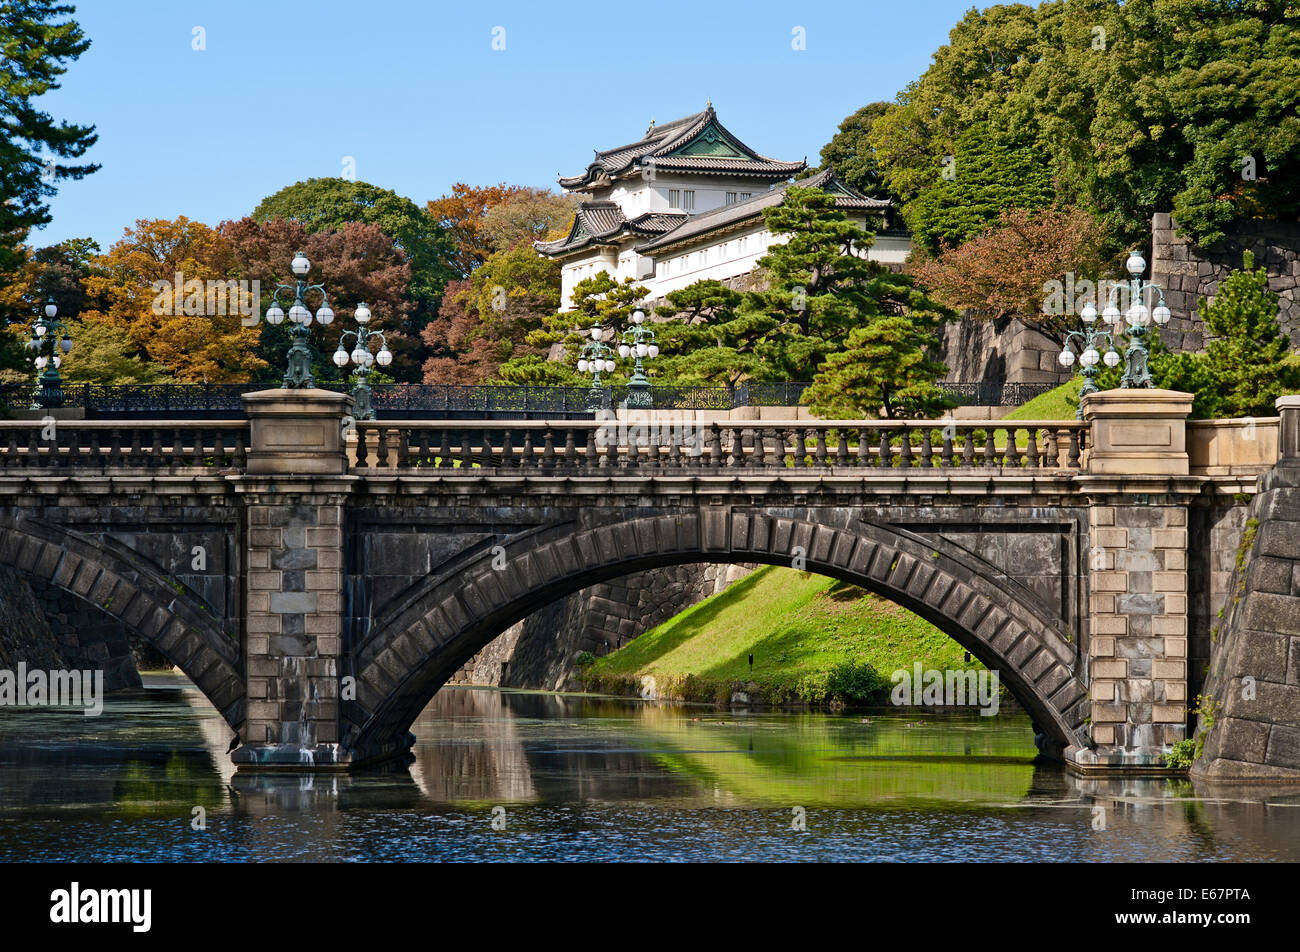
(502, 775)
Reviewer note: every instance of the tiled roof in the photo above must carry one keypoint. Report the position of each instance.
(598, 222)
(659, 141)
(697, 226)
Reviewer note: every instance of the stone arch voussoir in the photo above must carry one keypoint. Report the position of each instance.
(125, 587)
(412, 651)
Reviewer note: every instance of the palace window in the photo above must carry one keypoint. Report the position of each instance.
(731, 198)
(674, 198)
(688, 200)
(745, 195)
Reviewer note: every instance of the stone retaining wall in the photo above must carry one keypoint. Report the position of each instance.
(1188, 273)
(1249, 713)
(539, 652)
(49, 629)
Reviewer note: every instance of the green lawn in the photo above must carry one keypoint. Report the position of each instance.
(812, 639)
(1059, 404)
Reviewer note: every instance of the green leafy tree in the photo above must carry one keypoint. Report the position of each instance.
(852, 156)
(972, 78)
(103, 353)
(711, 338)
(35, 43)
(327, 204)
(990, 172)
(885, 371)
(597, 300)
(822, 287)
(1137, 107)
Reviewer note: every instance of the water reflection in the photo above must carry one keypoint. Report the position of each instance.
(592, 778)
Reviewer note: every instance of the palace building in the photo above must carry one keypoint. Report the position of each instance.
(685, 202)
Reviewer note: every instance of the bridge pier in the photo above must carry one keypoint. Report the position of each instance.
(295, 495)
(1137, 481)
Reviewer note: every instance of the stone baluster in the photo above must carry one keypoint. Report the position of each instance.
(363, 452)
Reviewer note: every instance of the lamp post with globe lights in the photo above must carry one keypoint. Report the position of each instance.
(638, 342)
(595, 358)
(48, 350)
(362, 395)
(298, 375)
(1089, 337)
(1136, 320)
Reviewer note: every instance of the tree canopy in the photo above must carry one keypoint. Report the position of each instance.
(35, 149)
(329, 204)
(1137, 107)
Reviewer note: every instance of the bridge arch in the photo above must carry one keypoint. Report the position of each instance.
(124, 586)
(417, 646)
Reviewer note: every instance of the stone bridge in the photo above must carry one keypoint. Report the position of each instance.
(319, 579)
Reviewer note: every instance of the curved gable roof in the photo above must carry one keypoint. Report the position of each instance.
(697, 143)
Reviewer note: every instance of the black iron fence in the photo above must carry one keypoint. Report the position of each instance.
(986, 393)
(453, 401)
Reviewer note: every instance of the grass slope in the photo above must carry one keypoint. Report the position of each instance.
(811, 638)
(1059, 404)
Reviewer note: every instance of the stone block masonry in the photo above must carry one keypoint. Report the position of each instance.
(1249, 715)
(1138, 624)
(295, 626)
(1188, 273)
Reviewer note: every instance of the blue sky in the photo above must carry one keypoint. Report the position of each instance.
(416, 94)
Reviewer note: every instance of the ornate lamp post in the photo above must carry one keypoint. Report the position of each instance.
(49, 348)
(1133, 324)
(1089, 337)
(638, 341)
(363, 404)
(1138, 317)
(595, 358)
(298, 375)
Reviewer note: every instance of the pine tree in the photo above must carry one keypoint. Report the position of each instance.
(34, 147)
(711, 340)
(883, 371)
(838, 316)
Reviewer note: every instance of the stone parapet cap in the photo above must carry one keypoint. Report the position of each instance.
(309, 484)
(1136, 402)
(1098, 484)
(824, 484)
(271, 400)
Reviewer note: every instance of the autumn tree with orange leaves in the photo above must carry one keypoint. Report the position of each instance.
(135, 286)
(483, 219)
(1007, 270)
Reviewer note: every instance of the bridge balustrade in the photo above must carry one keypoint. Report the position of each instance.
(576, 446)
(102, 446)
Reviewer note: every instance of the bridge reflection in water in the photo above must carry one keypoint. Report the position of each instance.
(594, 778)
